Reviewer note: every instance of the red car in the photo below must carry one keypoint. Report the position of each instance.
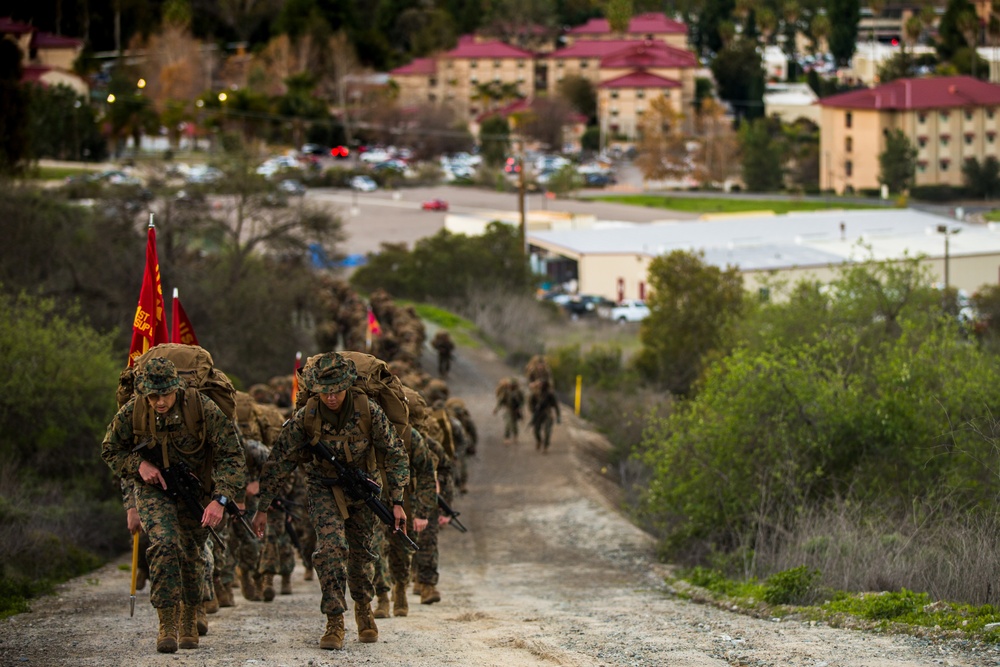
(435, 205)
(340, 152)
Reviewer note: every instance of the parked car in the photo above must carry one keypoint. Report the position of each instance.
(363, 183)
(315, 149)
(627, 311)
(292, 186)
(586, 304)
(435, 205)
(340, 152)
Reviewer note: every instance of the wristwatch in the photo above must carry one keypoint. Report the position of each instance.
(397, 502)
(222, 500)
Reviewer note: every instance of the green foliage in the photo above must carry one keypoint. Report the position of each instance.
(859, 388)
(727, 205)
(950, 38)
(446, 266)
(580, 93)
(565, 181)
(793, 586)
(57, 387)
(898, 162)
(494, 134)
(63, 125)
(14, 112)
(591, 139)
(739, 76)
(982, 179)
(691, 307)
(843, 29)
(762, 157)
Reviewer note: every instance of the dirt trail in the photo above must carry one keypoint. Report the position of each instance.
(550, 574)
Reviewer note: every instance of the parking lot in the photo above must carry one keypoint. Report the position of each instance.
(397, 217)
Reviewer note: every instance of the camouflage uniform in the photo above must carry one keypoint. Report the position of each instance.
(343, 554)
(177, 539)
(510, 399)
(425, 561)
(445, 347)
(544, 408)
(244, 551)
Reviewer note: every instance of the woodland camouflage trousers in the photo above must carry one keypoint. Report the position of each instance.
(176, 549)
(425, 561)
(277, 556)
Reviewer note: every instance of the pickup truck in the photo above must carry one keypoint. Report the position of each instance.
(628, 311)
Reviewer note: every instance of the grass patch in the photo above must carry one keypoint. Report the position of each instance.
(462, 331)
(903, 611)
(992, 216)
(57, 173)
(725, 205)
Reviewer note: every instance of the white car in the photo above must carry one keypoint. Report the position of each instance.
(630, 310)
(363, 183)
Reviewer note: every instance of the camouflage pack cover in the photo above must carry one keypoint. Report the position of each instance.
(248, 416)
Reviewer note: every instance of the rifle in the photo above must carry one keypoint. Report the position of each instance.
(448, 511)
(284, 505)
(359, 486)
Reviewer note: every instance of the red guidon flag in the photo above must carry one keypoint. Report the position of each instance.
(374, 329)
(149, 327)
(182, 331)
(295, 376)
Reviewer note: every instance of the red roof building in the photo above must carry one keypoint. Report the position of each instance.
(46, 59)
(948, 120)
(643, 24)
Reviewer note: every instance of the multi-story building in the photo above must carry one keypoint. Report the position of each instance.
(947, 119)
(627, 69)
(46, 59)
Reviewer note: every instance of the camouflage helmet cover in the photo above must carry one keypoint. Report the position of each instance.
(329, 374)
(159, 376)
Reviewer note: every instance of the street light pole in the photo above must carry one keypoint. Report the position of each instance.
(948, 233)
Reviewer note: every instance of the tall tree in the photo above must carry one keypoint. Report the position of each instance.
(898, 162)
(950, 38)
(619, 14)
(494, 139)
(692, 305)
(739, 75)
(843, 30)
(762, 157)
(14, 139)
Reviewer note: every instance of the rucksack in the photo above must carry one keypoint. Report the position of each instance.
(374, 382)
(194, 364)
(248, 417)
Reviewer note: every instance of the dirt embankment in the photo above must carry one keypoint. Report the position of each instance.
(549, 574)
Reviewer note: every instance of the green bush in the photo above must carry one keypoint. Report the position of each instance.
(793, 586)
(937, 193)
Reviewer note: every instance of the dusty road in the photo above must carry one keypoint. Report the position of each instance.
(549, 575)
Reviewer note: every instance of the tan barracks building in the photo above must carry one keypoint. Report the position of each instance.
(612, 260)
(947, 119)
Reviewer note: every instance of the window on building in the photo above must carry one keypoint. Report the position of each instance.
(922, 141)
(432, 81)
(614, 112)
(990, 136)
(990, 113)
(431, 97)
(559, 64)
(943, 115)
(945, 138)
(944, 165)
(848, 144)
(848, 168)
(496, 63)
(848, 119)
(764, 293)
(640, 94)
(584, 64)
(921, 118)
(614, 94)
(520, 64)
(922, 166)
(473, 64)
(968, 139)
(968, 114)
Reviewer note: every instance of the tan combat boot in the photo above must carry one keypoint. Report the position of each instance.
(382, 606)
(416, 587)
(166, 639)
(267, 587)
(286, 584)
(227, 599)
(189, 626)
(247, 587)
(400, 607)
(202, 620)
(367, 630)
(308, 574)
(333, 638)
(429, 594)
(212, 606)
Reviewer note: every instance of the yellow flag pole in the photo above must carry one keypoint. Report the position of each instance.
(135, 572)
(579, 391)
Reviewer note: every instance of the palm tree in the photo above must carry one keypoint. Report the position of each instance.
(968, 25)
(820, 30)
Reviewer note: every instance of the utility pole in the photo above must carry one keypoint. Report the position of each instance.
(520, 199)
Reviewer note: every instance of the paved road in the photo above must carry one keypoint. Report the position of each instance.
(374, 218)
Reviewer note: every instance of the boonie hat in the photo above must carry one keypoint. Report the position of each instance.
(159, 376)
(331, 373)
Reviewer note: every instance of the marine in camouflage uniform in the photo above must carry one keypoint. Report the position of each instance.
(445, 348)
(544, 408)
(425, 560)
(344, 527)
(177, 538)
(243, 551)
(420, 502)
(510, 399)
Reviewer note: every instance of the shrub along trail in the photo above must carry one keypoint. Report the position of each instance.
(549, 574)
